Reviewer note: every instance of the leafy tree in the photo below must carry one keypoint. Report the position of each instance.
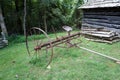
(40, 13)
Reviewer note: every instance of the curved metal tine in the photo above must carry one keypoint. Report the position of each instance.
(33, 54)
(51, 57)
(28, 42)
(34, 36)
(32, 51)
(36, 52)
(54, 32)
(86, 43)
(47, 55)
(27, 46)
(39, 53)
(39, 41)
(79, 39)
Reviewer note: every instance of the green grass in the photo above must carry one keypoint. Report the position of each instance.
(67, 64)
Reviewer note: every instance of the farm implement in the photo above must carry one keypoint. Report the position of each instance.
(40, 44)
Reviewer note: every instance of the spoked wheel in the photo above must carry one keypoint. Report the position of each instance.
(35, 40)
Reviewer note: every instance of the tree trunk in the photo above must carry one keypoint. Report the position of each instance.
(18, 20)
(24, 18)
(45, 22)
(2, 24)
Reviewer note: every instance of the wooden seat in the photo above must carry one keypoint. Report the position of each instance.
(67, 28)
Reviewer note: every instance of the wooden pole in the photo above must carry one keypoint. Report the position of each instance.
(103, 55)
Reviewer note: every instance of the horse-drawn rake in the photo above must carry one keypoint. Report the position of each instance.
(43, 45)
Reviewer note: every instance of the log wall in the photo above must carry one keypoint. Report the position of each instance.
(108, 18)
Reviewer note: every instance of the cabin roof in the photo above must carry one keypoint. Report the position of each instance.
(100, 4)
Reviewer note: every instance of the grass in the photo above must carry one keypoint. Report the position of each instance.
(71, 64)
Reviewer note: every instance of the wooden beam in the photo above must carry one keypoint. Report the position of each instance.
(102, 21)
(100, 54)
(110, 25)
(103, 13)
(116, 18)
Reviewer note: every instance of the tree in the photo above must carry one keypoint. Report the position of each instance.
(2, 23)
(24, 18)
(40, 13)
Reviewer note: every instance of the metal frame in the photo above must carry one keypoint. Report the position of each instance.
(66, 39)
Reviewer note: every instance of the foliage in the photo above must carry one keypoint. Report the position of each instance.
(54, 13)
(72, 64)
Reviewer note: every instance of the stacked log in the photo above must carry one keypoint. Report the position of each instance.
(108, 18)
(3, 43)
(100, 35)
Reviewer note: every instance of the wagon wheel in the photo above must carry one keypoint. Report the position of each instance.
(35, 38)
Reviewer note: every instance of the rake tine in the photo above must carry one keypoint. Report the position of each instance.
(54, 32)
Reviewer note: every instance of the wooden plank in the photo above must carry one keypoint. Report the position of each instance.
(102, 20)
(100, 40)
(108, 39)
(99, 32)
(103, 13)
(98, 26)
(116, 18)
(117, 26)
(90, 25)
(104, 41)
(97, 35)
(88, 6)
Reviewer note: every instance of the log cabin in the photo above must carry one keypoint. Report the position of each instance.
(101, 14)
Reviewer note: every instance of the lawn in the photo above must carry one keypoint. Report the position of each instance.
(67, 64)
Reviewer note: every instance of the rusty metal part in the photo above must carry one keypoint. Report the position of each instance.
(36, 31)
(54, 32)
(59, 40)
(55, 43)
(50, 43)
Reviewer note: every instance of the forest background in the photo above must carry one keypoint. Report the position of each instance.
(40, 13)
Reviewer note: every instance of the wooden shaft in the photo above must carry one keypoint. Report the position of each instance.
(109, 57)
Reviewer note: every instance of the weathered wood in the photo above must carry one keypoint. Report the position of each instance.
(90, 25)
(99, 32)
(98, 35)
(103, 4)
(98, 26)
(103, 38)
(104, 41)
(117, 26)
(2, 43)
(102, 21)
(103, 13)
(100, 54)
(117, 18)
